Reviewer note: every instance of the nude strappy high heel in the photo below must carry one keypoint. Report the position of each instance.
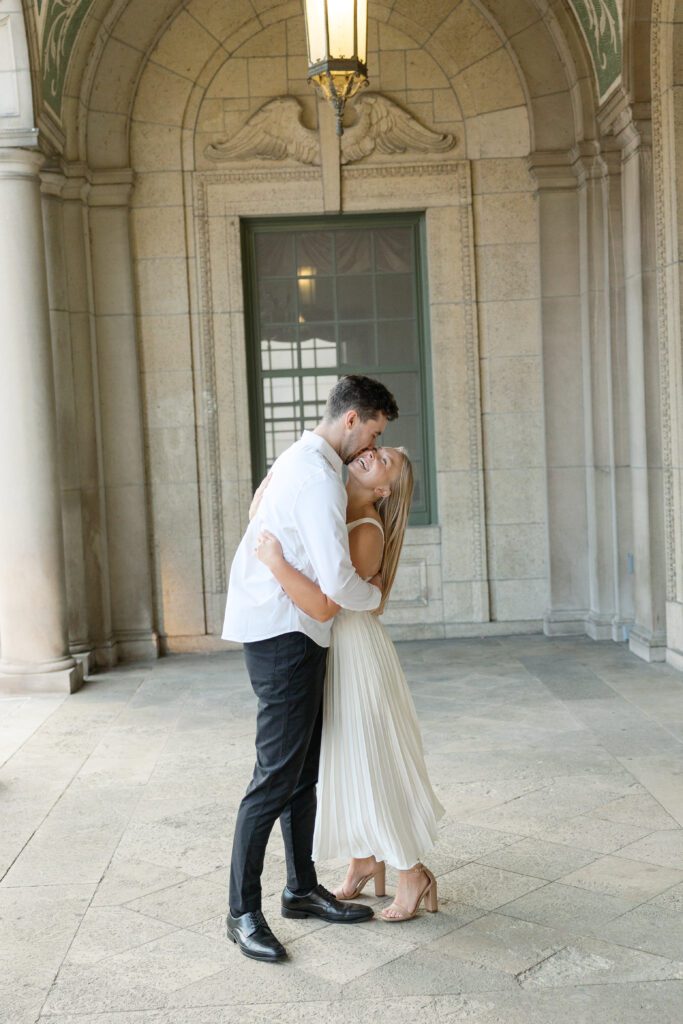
(428, 894)
(379, 875)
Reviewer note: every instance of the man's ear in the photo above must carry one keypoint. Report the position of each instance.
(350, 419)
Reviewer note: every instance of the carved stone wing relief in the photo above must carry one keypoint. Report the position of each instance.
(384, 126)
(274, 132)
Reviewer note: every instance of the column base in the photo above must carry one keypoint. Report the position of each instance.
(62, 680)
(646, 645)
(571, 622)
(137, 646)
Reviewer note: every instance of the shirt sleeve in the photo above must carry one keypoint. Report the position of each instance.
(319, 517)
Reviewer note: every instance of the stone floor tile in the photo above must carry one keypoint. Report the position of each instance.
(503, 943)
(645, 1003)
(636, 809)
(106, 931)
(485, 887)
(539, 858)
(576, 911)
(663, 848)
(127, 879)
(650, 928)
(183, 905)
(671, 900)
(617, 876)
(591, 962)
(427, 971)
(663, 777)
(590, 832)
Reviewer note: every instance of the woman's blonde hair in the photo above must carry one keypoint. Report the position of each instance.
(394, 511)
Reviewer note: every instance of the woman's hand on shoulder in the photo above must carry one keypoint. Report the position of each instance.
(268, 549)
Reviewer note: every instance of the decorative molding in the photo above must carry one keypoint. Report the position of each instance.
(59, 22)
(662, 182)
(277, 132)
(209, 387)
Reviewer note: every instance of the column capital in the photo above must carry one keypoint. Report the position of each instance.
(20, 163)
(112, 187)
(553, 169)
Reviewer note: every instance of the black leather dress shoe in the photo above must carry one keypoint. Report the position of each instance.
(321, 903)
(251, 933)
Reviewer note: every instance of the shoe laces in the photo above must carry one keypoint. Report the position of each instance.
(322, 891)
(258, 920)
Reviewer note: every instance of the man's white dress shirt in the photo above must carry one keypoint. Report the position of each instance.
(304, 505)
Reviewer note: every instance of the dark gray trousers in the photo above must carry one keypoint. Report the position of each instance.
(287, 674)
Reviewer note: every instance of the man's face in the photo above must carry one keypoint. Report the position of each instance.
(360, 436)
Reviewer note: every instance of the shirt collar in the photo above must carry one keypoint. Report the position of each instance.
(326, 450)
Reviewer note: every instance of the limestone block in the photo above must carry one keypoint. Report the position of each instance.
(553, 120)
(515, 384)
(296, 37)
(537, 54)
(392, 70)
(447, 110)
(392, 38)
(559, 225)
(118, 67)
(444, 244)
(455, 513)
(430, 12)
(515, 495)
(172, 455)
(568, 537)
(82, 353)
(107, 146)
(422, 71)
(509, 328)
(119, 400)
(161, 96)
(64, 398)
(508, 215)
(127, 529)
(271, 42)
(503, 133)
(138, 23)
(185, 47)
(220, 19)
(467, 37)
(169, 398)
(158, 188)
(267, 76)
(514, 600)
(162, 286)
(165, 343)
(517, 551)
(177, 546)
(507, 271)
(513, 440)
(158, 232)
(231, 80)
(458, 602)
(513, 18)
(494, 81)
(501, 175)
(563, 380)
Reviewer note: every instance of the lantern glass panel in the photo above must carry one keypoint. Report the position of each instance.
(362, 21)
(341, 17)
(316, 31)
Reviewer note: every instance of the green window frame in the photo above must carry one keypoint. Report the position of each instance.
(368, 312)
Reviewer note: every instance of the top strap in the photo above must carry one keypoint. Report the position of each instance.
(366, 519)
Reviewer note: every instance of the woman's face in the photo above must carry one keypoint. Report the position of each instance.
(377, 469)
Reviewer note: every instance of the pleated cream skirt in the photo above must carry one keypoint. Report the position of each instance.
(374, 794)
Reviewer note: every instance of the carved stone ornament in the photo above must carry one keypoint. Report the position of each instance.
(276, 132)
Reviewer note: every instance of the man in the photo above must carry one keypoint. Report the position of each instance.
(304, 505)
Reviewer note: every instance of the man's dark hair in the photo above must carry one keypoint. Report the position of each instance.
(367, 396)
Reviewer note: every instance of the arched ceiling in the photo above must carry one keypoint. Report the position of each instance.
(70, 37)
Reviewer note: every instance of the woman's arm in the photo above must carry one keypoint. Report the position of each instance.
(258, 494)
(305, 594)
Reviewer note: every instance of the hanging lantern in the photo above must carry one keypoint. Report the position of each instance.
(337, 35)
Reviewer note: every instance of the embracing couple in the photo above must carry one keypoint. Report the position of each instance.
(312, 571)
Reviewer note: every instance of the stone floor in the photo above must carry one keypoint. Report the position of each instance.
(560, 862)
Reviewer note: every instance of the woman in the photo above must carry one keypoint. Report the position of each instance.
(375, 801)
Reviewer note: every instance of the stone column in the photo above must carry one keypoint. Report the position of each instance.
(123, 463)
(563, 392)
(647, 638)
(33, 605)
